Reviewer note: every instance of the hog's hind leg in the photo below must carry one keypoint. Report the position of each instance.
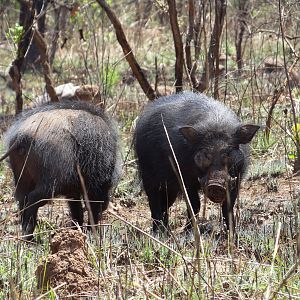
(75, 206)
(98, 202)
(35, 199)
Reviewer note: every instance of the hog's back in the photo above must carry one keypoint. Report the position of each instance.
(205, 114)
(64, 136)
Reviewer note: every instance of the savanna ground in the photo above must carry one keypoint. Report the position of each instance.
(122, 259)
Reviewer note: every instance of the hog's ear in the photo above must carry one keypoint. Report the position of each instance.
(190, 133)
(245, 133)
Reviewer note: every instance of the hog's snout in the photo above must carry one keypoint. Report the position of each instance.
(216, 192)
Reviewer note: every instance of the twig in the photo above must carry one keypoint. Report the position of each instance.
(145, 233)
(285, 279)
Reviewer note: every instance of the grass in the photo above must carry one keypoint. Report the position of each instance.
(132, 264)
(137, 266)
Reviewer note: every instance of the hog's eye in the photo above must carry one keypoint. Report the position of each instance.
(226, 158)
(203, 159)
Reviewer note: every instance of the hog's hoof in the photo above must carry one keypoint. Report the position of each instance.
(206, 228)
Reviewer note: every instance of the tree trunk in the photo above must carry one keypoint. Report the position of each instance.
(211, 67)
(23, 45)
(178, 45)
(33, 55)
(56, 30)
(242, 14)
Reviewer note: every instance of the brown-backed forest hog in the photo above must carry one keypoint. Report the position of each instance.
(48, 144)
(69, 91)
(210, 144)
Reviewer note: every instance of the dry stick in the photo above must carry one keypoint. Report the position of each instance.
(41, 44)
(177, 171)
(220, 12)
(159, 242)
(177, 44)
(197, 37)
(277, 33)
(190, 35)
(188, 65)
(267, 295)
(212, 57)
(88, 205)
(285, 278)
(242, 14)
(146, 291)
(156, 240)
(56, 30)
(135, 67)
(275, 98)
(87, 202)
(156, 75)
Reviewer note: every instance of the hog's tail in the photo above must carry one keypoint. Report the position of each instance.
(12, 148)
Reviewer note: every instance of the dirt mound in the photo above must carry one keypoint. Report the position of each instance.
(68, 267)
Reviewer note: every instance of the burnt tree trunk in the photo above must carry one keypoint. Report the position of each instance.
(242, 14)
(178, 45)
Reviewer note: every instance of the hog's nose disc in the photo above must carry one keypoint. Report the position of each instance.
(216, 193)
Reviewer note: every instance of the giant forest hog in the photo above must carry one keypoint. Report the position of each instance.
(210, 144)
(47, 146)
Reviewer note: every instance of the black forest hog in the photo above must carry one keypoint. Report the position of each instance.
(210, 144)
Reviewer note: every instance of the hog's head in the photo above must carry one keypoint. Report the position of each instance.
(219, 157)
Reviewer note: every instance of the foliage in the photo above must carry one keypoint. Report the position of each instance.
(15, 33)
